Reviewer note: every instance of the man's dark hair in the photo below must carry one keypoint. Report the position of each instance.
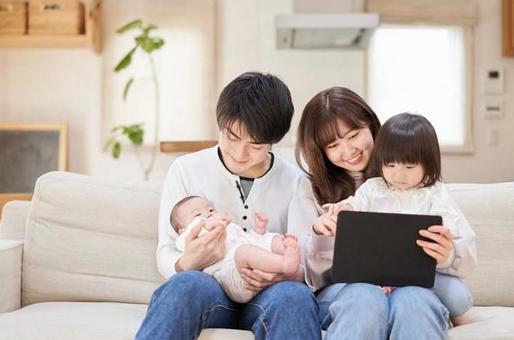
(260, 102)
(410, 139)
(173, 215)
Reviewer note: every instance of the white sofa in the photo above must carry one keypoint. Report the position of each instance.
(78, 261)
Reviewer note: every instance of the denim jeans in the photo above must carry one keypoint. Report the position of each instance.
(191, 301)
(453, 294)
(363, 311)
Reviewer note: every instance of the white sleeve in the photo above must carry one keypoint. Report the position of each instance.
(301, 215)
(174, 189)
(302, 211)
(360, 200)
(463, 258)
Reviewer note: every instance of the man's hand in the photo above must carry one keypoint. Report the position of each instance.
(257, 280)
(203, 251)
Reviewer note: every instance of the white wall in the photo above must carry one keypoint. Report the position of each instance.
(489, 163)
(69, 85)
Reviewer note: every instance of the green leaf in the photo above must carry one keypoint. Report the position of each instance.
(116, 150)
(158, 43)
(149, 28)
(151, 44)
(139, 39)
(136, 136)
(147, 45)
(130, 26)
(127, 87)
(125, 61)
(109, 142)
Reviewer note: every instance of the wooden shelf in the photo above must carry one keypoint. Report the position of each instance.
(186, 146)
(91, 38)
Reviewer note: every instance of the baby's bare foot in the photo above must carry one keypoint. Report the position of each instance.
(461, 320)
(292, 254)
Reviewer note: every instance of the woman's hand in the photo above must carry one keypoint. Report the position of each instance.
(326, 223)
(441, 247)
(201, 252)
(257, 280)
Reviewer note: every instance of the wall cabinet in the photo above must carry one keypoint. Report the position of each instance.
(508, 28)
(90, 39)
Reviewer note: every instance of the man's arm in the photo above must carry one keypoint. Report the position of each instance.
(173, 190)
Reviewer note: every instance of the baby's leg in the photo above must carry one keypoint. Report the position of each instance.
(250, 256)
(454, 296)
(280, 242)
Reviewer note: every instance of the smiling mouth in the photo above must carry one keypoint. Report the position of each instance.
(238, 162)
(355, 159)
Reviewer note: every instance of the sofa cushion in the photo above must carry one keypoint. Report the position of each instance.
(488, 323)
(90, 240)
(72, 320)
(87, 320)
(490, 211)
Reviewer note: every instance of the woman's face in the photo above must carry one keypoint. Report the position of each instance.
(352, 151)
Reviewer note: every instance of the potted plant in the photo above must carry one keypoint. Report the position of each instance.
(135, 132)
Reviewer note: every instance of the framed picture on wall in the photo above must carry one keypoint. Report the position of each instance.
(26, 152)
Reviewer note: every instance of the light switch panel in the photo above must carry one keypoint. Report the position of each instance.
(493, 108)
(493, 82)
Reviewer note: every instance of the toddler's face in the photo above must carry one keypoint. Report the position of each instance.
(193, 208)
(403, 176)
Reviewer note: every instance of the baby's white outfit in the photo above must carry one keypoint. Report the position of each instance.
(225, 270)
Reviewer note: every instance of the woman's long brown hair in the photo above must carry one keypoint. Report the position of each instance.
(318, 127)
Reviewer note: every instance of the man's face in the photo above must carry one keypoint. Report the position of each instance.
(242, 156)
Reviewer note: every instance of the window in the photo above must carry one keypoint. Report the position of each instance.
(424, 69)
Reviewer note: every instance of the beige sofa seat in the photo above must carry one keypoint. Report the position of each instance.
(73, 320)
(85, 264)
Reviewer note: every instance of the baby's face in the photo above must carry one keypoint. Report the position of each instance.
(193, 208)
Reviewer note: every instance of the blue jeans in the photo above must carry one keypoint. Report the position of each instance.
(453, 294)
(363, 311)
(191, 301)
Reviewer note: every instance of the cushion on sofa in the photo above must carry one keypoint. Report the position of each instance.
(90, 240)
(490, 210)
(73, 320)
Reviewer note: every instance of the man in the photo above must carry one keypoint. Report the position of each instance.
(242, 176)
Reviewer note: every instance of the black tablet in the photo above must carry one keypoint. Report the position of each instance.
(380, 248)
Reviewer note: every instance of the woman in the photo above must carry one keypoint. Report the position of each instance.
(335, 140)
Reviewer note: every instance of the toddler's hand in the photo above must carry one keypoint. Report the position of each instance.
(387, 289)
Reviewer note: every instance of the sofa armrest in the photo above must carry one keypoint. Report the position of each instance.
(10, 274)
(14, 217)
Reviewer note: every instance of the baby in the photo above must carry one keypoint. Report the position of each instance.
(256, 249)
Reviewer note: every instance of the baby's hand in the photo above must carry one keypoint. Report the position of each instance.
(261, 223)
(217, 219)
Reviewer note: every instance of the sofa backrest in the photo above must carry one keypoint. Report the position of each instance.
(90, 240)
(490, 210)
